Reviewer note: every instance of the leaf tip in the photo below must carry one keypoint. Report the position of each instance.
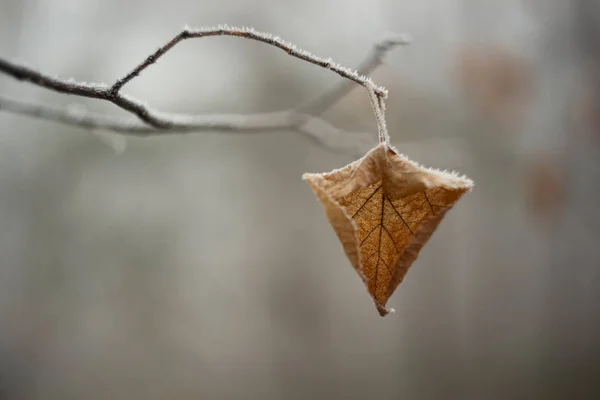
(384, 311)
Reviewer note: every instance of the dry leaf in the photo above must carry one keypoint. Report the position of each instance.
(383, 209)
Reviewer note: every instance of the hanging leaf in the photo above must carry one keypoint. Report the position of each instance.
(383, 209)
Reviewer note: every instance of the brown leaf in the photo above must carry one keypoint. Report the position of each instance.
(383, 209)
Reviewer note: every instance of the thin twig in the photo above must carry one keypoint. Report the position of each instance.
(376, 58)
(133, 127)
(250, 33)
(378, 107)
(161, 123)
(84, 89)
(317, 129)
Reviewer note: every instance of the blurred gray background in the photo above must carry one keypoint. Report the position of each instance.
(202, 266)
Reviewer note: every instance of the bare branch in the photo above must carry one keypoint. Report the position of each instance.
(133, 127)
(84, 89)
(326, 100)
(250, 33)
(160, 123)
(317, 129)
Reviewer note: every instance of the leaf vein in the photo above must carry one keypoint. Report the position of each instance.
(400, 216)
(366, 201)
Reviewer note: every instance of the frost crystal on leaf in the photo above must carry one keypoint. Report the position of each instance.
(384, 208)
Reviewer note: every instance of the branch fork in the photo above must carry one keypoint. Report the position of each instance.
(304, 118)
